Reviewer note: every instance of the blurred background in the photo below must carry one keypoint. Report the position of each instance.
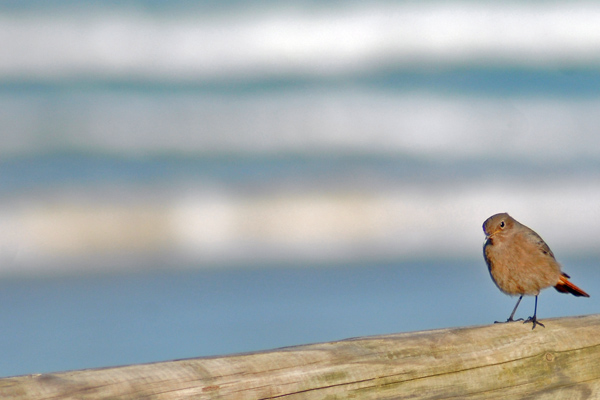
(193, 178)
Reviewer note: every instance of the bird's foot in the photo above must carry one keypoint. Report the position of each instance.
(534, 321)
(508, 320)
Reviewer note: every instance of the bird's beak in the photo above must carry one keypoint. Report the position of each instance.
(489, 235)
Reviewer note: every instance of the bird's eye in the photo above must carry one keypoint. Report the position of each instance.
(501, 224)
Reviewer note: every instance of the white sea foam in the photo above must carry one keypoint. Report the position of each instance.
(343, 121)
(210, 229)
(301, 39)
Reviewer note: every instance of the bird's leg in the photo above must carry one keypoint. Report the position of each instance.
(533, 319)
(512, 314)
(510, 319)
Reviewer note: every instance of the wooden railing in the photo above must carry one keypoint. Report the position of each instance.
(499, 361)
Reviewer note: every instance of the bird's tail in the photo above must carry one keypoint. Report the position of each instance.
(565, 286)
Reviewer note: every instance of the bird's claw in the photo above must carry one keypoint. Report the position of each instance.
(508, 320)
(534, 321)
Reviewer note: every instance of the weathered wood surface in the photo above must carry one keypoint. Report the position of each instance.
(501, 361)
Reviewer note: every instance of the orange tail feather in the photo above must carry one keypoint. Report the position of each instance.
(565, 286)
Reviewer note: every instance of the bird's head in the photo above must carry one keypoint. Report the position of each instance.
(497, 223)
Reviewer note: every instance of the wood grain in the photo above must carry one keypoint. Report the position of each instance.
(497, 361)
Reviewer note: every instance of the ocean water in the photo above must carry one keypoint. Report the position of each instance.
(75, 322)
(182, 179)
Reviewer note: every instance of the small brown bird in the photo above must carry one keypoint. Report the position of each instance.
(521, 263)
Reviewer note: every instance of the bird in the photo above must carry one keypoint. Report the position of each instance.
(521, 263)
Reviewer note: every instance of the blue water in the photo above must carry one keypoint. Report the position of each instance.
(52, 171)
(152, 111)
(74, 322)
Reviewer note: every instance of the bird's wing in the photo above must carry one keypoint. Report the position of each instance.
(534, 237)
